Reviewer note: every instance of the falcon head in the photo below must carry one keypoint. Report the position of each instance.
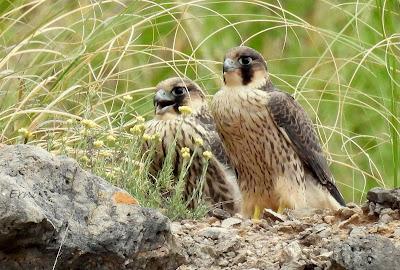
(244, 66)
(175, 92)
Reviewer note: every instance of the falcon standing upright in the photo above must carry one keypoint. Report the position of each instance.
(195, 131)
(270, 140)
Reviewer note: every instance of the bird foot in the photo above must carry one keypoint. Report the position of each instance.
(257, 213)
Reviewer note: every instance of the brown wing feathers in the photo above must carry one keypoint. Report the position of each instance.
(290, 116)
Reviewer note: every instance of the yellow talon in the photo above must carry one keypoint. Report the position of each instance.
(257, 213)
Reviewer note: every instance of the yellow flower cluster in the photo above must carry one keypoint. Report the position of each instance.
(154, 137)
(137, 129)
(111, 138)
(207, 155)
(88, 123)
(84, 132)
(98, 143)
(185, 110)
(146, 137)
(198, 141)
(25, 133)
(127, 97)
(185, 152)
(84, 159)
(140, 119)
(105, 153)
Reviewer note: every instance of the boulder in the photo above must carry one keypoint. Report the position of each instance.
(371, 252)
(55, 215)
(388, 198)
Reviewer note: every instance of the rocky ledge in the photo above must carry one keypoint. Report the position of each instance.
(54, 215)
(351, 238)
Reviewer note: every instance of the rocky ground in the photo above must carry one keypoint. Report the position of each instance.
(352, 238)
(55, 215)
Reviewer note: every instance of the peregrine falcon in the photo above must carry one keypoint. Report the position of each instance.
(270, 140)
(196, 130)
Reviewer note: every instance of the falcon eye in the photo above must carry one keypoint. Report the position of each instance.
(245, 60)
(178, 91)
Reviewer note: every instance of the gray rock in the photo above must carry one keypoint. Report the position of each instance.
(228, 244)
(358, 232)
(220, 213)
(385, 197)
(385, 218)
(223, 262)
(229, 222)
(292, 251)
(214, 232)
(54, 212)
(240, 258)
(365, 253)
(272, 215)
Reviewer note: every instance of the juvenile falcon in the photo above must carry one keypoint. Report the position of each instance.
(270, 140)
(195, 130)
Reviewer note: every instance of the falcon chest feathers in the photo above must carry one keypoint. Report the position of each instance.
(270, 140)
(220, 187)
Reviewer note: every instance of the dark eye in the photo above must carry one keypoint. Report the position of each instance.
(245, 60)
(178, 91)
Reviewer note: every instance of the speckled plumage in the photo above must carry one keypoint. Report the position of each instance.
(220, 186)
(270, 140)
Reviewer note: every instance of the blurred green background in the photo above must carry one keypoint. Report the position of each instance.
(77, 59)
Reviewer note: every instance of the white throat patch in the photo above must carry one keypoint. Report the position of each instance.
(257, 83)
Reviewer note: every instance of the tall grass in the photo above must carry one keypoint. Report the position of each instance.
(62, 60)
(392, 38)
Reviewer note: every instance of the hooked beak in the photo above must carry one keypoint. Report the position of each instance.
(229, 65)
(163, 100)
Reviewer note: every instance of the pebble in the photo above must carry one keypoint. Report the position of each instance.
(229, 222)
(223, 262)
(240, 258)
(385, 218)
(220, 213)
(346, 212)
(213, 232)
(292, 251)
(329, 219)
(176, 227)
(246, 223)
(270, 214)
(358, 232)
(353, 219)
